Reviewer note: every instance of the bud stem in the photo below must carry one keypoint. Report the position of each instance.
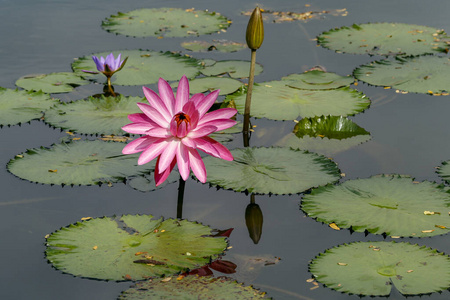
(248, 100)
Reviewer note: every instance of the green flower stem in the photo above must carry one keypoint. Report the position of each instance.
(110, 89)
(180, 198)
(246, 129)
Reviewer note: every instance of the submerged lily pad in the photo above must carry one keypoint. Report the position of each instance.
(142, 67)
(77, 163)
(318, 80)
(166, 22)
(371, 268)
(21, 106)
(52, 83)
(384, 39)
(146, 183)
(386, 204)
(104, 115)
(192, 287)
(218, 45)
(276, 100)
(422, 74)
(234, 68)
(326, 135)
(271, 170)
(132, 247)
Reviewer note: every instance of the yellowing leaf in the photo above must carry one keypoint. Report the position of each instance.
(334, 226)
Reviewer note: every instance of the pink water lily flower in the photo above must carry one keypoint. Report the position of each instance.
(174, 128)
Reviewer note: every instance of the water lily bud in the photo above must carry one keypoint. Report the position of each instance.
(254, 221)
(255, 30)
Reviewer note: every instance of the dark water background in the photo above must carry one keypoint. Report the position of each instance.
(410, 135)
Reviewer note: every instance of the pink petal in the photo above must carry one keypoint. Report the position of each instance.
(183, 161)
(206, 142)
(139, 117)
(197, 165)
(188, 142)
(182, 94)
(159, 132)
(153, 114)
(138, 145)
(166, 94)
(152, 151)
(223, 113)
(168, 154)
(137, 128)
(202, 131)
(204, 105)
(161, 177)
(191, 111)
(157, 103)
(220, 124)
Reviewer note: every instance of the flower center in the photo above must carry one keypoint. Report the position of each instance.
(183, 124)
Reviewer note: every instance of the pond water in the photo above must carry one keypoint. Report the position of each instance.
(409, 136)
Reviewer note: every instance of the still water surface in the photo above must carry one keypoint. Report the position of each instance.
(409, 136)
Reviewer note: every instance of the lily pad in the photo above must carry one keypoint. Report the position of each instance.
(234, 68)
(384, 39)
(276, 100)
(146, 183)
(77, 163)
(371, 268)
(422, 74)
(207, 84)
(385, 204)
(318, 80)
(142, 67)
(192, 287)
(104, 115)
(215, 45)
(132, 247)
(52, 83)
(444, 171)
(166, 22)
(21, 106)
(326, 135)
(271, 171)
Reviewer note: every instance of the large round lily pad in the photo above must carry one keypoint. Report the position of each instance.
(385, 204)
(52, 83)
(371, 268)
(326, 135)
(276, 100)
(132, 247)
(166, 22)
(384, 39)
(422, 74)
(21, 106)
(271, 170)
(192, 287)
(318, 80)
(142, 67)
(234, 68)
(77, 163)
(103, 115)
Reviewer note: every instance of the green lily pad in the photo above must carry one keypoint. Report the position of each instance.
(132, 247)
(271, 171)
(142, 67)
(192, 287)
(371, 268)
(165, 22)
(104, 115)
(218, 45)
(146, 183)
(52, 83)
(208, 84)
(21, 106)
(234, 68)
(444, 171)
(318, 80)
(422, 74)
(77, 163)
(276, 100)
(386, 204)
(384, 39)
(326, 135)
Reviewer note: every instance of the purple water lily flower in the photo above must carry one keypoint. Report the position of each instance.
(108, 65)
